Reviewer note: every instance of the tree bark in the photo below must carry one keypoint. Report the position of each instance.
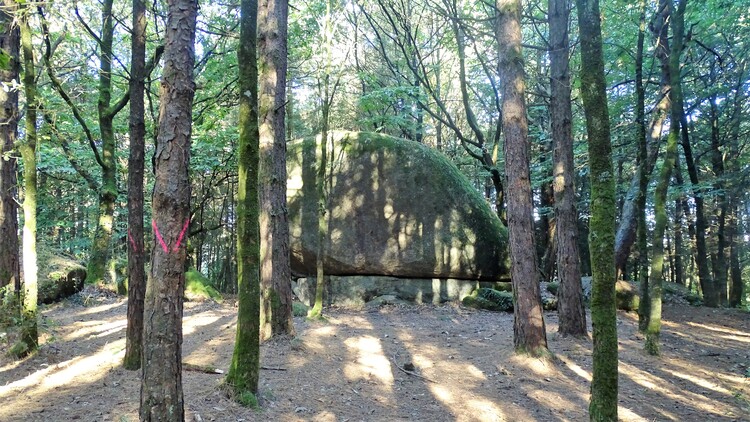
(244, 369)
(603, 404)
(529, 334)
(136, 250)
(275, 267)
(28, 154)
(10, 45)
(161, 387)
(570, 297)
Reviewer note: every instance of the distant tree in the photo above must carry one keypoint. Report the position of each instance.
(27, 148)
(244, 369)
(603, 404)
(529, 335)
(275, 267)
(570, 303)
(161, 386)
(9, 70)
(136, 249)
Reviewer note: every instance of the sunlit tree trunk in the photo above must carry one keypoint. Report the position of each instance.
(136, 250)
(603, 404)
(570, 296)
(27, 149)
(275, 267)
(243, 371)
(9, 43)
(529, 335)
(161, 386)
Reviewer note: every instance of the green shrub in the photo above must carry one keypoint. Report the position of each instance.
(299, 309)
(553, 288)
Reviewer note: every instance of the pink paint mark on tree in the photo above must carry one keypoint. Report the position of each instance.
(182, 234)
(132, 241)
(158, 237)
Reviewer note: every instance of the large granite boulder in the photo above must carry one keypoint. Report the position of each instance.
(395, 208)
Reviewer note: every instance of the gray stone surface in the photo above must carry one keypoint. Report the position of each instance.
(395, 207)
(356, 291)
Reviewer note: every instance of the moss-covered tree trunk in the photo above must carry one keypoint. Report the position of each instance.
(653, 327)
(275, 267)
(161, 386)
(244, 369)
(136, 250)
(570, 296)
(529, 334)
(9, 43)
(27, 149)
(107, 195)
(603, 404)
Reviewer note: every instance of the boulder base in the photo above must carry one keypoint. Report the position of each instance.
(356, 291)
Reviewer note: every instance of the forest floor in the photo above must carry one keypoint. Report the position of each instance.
(351, 368)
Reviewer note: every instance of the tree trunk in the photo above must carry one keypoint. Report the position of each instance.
(275, 267)
(243, 372)
(161, 387)
(9, 43)
(320, 179)
(660, 196)
(603, 404)
(136, 250)
(643, 173)
(100, 247)
(529, 334)
(736, 287)
(28, 154)
(719, 259)
(570, 297)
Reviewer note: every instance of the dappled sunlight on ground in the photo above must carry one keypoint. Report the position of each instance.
(416, 363)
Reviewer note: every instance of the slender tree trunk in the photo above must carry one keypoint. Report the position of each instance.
(603, 404)
(275, 267)
(643, 173)
(243, 372)
(9, 43)
(136, 249)
(161, 387)
(28, 154)
(320, 179)
(570, 297)
(736, 287)
(710, 292)
(529, 334)
(719, 259)
(100, 247)
(660, 196)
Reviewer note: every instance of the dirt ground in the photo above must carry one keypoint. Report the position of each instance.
(351, 368)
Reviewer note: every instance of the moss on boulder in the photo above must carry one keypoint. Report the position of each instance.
(489, 299)
(59, 277)
(198, 287)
